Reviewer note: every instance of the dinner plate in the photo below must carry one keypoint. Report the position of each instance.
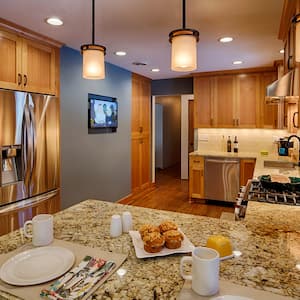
(186, 246)
(37, 265)
(231, 297)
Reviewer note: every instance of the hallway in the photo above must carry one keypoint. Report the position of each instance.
(171, 194)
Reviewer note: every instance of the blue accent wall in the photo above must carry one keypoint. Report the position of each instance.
(173, 86)
(93, 166)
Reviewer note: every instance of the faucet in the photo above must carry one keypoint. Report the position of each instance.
(296, 136)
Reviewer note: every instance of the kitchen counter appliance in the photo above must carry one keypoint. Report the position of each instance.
(222, 177)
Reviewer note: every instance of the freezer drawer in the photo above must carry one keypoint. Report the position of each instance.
(221, 179)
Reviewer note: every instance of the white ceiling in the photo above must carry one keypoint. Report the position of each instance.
(141, 28)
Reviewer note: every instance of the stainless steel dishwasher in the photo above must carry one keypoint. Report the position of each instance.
(221, 178)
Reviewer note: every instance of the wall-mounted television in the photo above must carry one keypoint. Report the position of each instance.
(102, 112)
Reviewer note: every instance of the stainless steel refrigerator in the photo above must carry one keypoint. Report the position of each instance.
(29, 147)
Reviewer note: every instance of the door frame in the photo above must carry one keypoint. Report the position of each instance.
(184, 135)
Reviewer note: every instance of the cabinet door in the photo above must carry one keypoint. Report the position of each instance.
(10, 61)
(246, 170)
(247, 105)
(38, 66)
(224, 101)
(203, 94)
(196, 177)
(269, 116)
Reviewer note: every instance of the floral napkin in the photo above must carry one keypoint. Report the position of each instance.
(78, 281)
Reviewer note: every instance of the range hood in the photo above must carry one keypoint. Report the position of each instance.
(284, 88)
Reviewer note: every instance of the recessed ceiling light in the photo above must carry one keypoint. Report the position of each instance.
(120, 53)
(55, 21)
(237, 62)
(281, 51)
(225, 39)
(155, 70)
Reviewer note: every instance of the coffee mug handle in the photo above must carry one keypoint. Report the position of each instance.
(182, 262)
(25, 229)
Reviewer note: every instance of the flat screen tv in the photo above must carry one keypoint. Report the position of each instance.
(102, 112)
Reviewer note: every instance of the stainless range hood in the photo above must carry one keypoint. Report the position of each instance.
(285, 87)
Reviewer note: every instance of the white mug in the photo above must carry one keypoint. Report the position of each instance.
(126, 221)
(42, 229)
(205, 270)
(115, 226)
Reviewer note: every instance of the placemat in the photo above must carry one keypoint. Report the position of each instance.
(228, 288)
(80, 251)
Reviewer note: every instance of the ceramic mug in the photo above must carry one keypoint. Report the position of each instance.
(42, 229)
(205, 270)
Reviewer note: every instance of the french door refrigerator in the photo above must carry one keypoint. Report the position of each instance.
(29, 147)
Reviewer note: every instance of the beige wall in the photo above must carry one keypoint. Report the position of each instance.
(250, 140)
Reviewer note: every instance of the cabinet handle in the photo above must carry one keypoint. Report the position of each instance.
(141, 129)
(211, 122)
(237, 122)
(19, 78)
(196, 161)
(233, 122)
(294, 119)
(25, 80)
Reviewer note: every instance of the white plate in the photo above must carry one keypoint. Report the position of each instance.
(231, 297)
(37, 265)
(186, 246)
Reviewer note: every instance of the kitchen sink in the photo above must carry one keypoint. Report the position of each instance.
(279, 164)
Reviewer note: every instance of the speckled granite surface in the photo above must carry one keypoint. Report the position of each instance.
(269, 239)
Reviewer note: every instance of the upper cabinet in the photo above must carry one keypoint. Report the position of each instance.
(27, 65)
(233, 100)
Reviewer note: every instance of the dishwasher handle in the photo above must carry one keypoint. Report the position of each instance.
(221, 161)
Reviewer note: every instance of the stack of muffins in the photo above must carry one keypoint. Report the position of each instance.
(156, 237)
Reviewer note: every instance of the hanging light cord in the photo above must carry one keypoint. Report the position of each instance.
(93, 22)
(183, 14)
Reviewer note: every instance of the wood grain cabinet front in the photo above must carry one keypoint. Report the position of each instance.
(27, 65)
(196, 177)
(246, 170)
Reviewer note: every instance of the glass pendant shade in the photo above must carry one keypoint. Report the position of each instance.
(93, 62)
(184, 53)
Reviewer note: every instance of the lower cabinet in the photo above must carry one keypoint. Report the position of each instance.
(246, 170)
(196, 177)
(15, 218)
(197, 173)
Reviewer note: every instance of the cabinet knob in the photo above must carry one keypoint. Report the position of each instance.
(141, 129)
(25, 80)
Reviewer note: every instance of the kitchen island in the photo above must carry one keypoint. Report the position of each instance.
(268, 239)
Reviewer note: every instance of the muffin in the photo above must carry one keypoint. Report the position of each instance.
(153, 242)
(147, 228)
(173, 239)
(166, 226)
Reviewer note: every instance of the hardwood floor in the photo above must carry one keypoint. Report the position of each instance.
(171, 193)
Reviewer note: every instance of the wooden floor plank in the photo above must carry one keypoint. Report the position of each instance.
(172, 194)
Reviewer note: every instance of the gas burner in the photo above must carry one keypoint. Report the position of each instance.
(258, 193)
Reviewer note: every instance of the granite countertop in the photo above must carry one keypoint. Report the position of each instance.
(268, 238)
(260, 169)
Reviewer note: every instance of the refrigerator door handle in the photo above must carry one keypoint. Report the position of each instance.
(33, 142)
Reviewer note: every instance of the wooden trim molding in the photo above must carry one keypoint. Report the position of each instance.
(238, 71)
(288, 11)
(12, 27)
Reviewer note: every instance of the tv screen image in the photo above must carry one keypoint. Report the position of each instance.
(103, 112)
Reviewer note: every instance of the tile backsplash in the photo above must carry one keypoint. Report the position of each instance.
(250, 140)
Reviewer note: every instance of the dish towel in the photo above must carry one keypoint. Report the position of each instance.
(75, 284)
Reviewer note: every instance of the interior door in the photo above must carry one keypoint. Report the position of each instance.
(191, 125)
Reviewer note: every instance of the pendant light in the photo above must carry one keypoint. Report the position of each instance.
(184, 47)
(93, 55)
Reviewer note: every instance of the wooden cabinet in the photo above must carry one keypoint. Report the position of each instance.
(27, 65)
(140, 134)
(233, 100)
(196, 177)
(14, 219)
(246, 170)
